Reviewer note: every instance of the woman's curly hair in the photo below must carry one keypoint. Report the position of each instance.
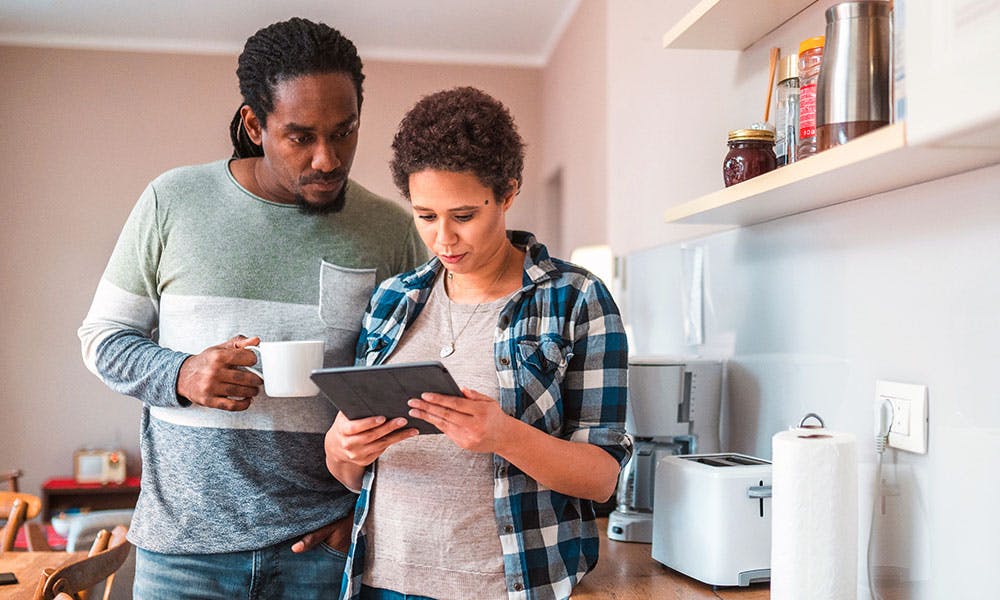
(459, 130)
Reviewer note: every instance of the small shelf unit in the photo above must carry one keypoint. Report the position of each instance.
(878, 162)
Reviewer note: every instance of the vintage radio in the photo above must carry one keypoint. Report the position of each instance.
(99, 466)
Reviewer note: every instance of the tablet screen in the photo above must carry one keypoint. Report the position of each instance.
(360, 392)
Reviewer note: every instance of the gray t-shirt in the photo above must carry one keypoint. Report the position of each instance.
(199, 261)
(431, 527)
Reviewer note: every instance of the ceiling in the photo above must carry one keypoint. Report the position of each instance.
(511, 32)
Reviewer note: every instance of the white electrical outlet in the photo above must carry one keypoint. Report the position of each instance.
(909, 414)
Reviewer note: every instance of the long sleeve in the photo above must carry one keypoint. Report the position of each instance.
(118, 335)
(595, 389)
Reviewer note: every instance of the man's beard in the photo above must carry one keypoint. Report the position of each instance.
(334, 206)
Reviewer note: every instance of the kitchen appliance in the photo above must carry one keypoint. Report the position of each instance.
(712, 517)
(673, 408)
(99, 466)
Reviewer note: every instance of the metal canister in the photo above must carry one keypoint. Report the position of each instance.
(852, 96)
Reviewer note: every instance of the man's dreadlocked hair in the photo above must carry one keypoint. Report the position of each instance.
(284, 51)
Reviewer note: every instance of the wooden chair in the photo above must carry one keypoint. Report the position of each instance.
(15, 516)
(11, 478)
(15, 509)
(75, 580)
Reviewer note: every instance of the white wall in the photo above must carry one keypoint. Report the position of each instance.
(810, 310)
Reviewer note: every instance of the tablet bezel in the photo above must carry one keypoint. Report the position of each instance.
(365, 391)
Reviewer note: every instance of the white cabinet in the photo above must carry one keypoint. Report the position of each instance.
(953, 121)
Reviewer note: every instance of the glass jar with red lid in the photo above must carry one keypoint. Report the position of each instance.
(751, 153)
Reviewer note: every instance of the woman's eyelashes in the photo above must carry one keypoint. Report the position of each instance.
(461, 218)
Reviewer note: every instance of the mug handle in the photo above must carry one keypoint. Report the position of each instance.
(256, 351)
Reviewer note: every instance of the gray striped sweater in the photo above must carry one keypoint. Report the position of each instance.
(200, 260)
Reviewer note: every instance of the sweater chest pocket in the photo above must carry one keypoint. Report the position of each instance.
(343, 298)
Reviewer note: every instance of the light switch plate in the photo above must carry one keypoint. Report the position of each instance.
(909, 414)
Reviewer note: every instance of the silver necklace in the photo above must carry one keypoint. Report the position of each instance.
(449, 347)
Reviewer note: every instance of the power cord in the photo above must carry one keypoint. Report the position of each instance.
(883, 424)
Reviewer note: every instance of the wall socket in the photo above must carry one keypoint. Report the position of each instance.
(909, 414)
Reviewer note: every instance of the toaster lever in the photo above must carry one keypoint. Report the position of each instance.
(760, 492)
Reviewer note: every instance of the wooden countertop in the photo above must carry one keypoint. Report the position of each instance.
(626, 571)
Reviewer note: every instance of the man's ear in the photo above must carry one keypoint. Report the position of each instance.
(251, 124)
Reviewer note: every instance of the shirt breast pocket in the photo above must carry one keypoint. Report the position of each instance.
(343, 297)
(543, 361)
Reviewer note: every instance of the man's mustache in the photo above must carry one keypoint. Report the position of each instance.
(323, 177)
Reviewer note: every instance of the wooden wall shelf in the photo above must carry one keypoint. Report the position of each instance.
(878, 162)
(731, 24)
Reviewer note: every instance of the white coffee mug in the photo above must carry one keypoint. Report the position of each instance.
(286, 366)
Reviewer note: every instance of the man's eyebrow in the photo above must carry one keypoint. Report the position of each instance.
(295, 127)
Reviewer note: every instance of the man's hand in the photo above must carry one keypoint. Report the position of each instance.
(213, 377)
(337, 535)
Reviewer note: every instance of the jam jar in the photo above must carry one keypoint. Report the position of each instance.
(751, 153)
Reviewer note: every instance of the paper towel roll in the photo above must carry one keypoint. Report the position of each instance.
(814, 523)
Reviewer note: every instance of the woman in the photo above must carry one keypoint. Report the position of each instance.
(501, 505)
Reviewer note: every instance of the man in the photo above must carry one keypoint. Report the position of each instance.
(276, 243)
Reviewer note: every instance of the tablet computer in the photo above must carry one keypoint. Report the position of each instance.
(360, 392)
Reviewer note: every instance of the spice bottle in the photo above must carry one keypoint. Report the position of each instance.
(810, 58)
(751, 153)
(786, 114)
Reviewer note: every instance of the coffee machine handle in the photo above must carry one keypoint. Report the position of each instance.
(759, 491)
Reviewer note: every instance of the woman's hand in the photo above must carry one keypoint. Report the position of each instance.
(352, 445)
(475, 422)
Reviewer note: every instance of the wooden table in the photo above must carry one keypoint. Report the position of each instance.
(626, 571)
(27, 566)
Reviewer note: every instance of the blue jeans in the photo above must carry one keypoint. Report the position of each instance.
(370, 593)
(269, 573)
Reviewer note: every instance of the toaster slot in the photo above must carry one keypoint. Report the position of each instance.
(743, 460)
(726, 460)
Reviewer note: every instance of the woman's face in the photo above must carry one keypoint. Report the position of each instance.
(459, 220)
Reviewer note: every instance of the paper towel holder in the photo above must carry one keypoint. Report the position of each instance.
(802, 425)
(802, 422)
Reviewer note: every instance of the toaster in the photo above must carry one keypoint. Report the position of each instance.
(712, 517)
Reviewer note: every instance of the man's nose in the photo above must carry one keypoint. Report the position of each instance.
(325, 157)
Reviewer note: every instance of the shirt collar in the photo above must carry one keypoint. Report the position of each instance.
(538, 266)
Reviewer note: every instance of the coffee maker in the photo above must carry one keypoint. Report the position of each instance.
(673, 408)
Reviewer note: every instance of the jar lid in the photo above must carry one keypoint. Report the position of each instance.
(789, 68)
(813, 42)
(763, 135)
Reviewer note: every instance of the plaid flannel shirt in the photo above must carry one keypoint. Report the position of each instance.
(561, 358)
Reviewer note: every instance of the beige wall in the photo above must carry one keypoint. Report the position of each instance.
(575, 132)
(391, 88)
(84, 131)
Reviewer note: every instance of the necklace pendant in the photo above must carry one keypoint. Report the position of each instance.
(447, 350)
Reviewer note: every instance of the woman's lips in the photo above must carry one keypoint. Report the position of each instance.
(450, 259)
